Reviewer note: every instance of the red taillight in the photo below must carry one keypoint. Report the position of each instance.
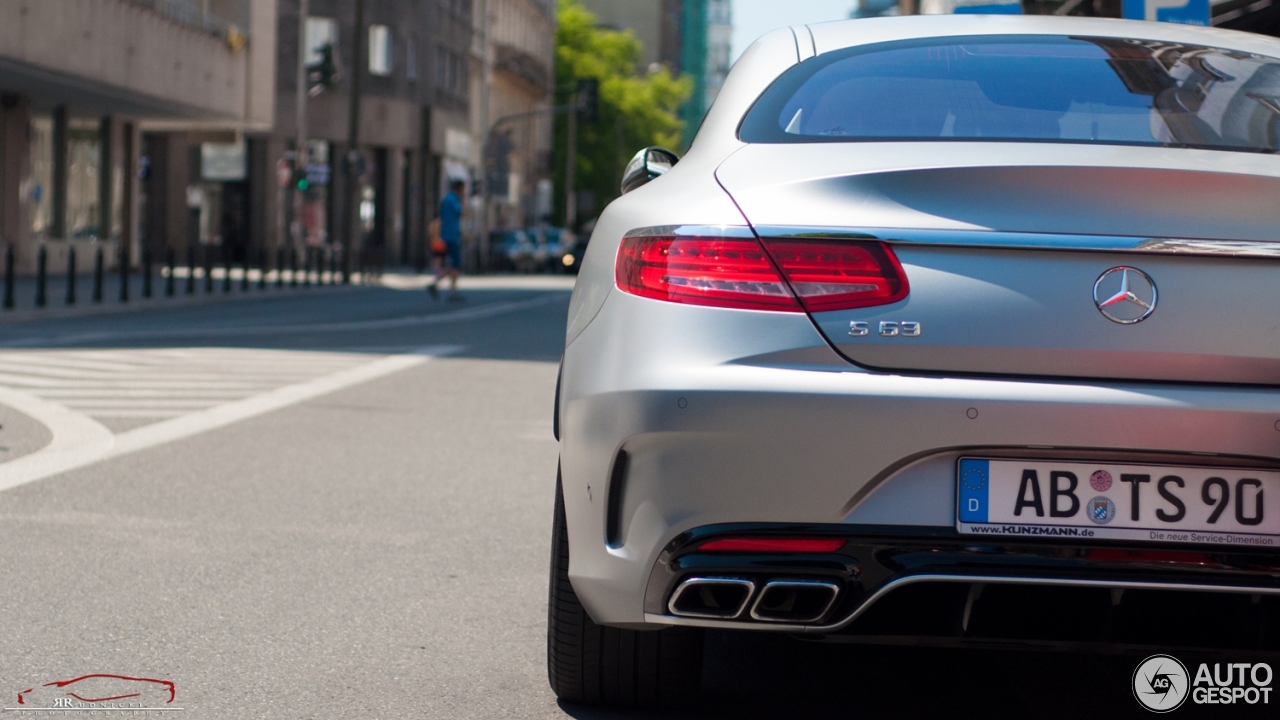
(821, 275)
(774, 545)
(723, 272)
(838, 275)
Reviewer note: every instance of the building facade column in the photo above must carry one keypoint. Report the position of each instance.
(15, 166)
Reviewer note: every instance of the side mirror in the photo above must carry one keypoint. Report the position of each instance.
(648, 164)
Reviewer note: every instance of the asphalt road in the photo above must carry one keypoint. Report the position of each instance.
(337, 503)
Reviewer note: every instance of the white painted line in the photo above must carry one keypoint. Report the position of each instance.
(222, 415)
(78, 440)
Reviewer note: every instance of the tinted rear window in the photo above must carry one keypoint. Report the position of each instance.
(1027, 88)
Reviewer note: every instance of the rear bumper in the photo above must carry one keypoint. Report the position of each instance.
(932, 582)
(675, 418)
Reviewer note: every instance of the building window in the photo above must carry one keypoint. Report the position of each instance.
(84, 168)
(321, 31)
(40, 184)
(411, 57)
(380, 58)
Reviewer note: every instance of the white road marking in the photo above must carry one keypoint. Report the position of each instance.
(80, 440)
(77, 440)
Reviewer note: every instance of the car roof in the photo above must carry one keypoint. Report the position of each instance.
(829, 36)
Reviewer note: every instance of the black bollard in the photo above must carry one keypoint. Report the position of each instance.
(97, 275)
(208, 269)
(244, 279)
(169, 261)
(8, 277)
(262, 268)
(191, 270)
(279, 268)
(146, 272)
(71, 274)
(124, 272)
(306, 267)
(226, 269)
(42, 262)
(293, 267)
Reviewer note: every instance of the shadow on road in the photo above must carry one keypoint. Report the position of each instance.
(492, 323)
(758, 675)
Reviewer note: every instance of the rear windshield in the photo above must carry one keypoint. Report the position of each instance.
(1027, 88)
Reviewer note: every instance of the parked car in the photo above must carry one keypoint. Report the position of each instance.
(883, 359)
(538, 249)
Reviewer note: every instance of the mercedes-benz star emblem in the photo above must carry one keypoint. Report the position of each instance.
(1125, 295)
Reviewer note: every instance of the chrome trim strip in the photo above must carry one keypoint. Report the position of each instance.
(671, 604)
(705, 231)
(988, 579)
(1033, 241)
(835, 592)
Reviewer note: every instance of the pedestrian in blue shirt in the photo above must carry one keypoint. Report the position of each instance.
(450, 256)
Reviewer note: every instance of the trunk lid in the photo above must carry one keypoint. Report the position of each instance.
(1002, 260)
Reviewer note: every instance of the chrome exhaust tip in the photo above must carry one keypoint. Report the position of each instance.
(723, 598)
(795, 601)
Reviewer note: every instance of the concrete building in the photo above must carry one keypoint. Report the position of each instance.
(83, 84)
(414, 105)
(512, 82)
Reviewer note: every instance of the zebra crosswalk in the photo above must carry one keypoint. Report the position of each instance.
(129, 388)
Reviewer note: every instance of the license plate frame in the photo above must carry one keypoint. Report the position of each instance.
(988, 491)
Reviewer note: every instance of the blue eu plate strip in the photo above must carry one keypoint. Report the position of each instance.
(974, 481)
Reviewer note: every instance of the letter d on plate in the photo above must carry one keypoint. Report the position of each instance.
(973, 481)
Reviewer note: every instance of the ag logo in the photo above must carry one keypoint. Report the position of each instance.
(1160, 683)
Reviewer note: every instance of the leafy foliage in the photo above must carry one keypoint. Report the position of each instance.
(636, 110)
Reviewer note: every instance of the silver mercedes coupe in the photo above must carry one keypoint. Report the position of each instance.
(950, 329)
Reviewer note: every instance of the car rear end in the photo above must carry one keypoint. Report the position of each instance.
(955, 372)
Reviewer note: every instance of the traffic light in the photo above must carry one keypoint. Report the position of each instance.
(322, 75)
(588, 100)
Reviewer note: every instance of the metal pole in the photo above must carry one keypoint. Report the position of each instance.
(191, 270)
(301, 155)
(208, 268)
(71, 275)
(279, 268)
(353, 143)
(168, 283)
(262, 268)
(571, 197)
(124, 271)
(487, 77)
(97, 275)
(244, 279)
(226, 268)
(42, 261)
(146, 272)
(8, 277)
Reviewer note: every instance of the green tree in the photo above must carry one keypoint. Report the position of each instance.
(636, 110)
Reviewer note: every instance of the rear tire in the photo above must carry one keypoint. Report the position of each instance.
(596, 665)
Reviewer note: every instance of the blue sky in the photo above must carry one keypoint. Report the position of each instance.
(753, 18)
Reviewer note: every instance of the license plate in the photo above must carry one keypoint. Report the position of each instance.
(1113, 501)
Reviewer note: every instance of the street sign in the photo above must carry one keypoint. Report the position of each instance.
(1187, 12)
